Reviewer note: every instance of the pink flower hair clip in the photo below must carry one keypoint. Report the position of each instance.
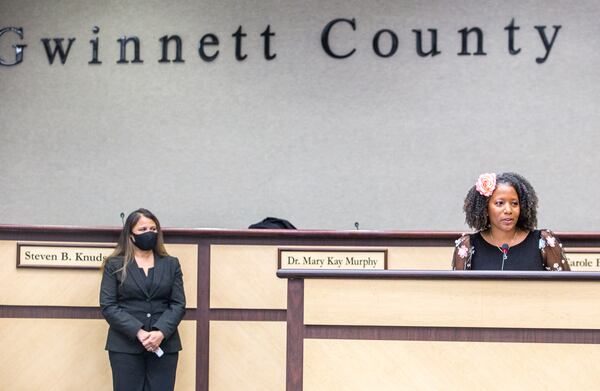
(486, 184)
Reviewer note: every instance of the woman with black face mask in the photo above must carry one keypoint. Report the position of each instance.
(142, 299)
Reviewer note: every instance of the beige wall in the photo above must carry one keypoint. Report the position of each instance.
(392, 143)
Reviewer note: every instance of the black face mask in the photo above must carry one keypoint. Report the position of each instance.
(145, 241)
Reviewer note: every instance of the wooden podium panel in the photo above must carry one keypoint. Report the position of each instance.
(453, 303)
(423, 330)
(358, 365)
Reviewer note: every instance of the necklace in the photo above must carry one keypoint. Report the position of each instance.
(502, 249)
(509, 244)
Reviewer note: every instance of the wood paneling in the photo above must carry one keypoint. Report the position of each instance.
(241, 314)
(453, 303)
(420, 258)
(68, 354)
(247, 356)
(73, 287)
(244, 277)
(352, 365)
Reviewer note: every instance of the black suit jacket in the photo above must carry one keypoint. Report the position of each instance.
(129, 306)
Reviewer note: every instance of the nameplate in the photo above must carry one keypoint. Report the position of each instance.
(67, 256)
(328, 259)
(583, 260)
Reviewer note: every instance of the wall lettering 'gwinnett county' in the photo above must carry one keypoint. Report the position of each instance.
(385, 43)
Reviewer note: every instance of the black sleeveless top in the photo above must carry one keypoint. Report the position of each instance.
(523, 256)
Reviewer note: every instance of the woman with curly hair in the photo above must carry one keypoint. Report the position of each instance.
(503, 211)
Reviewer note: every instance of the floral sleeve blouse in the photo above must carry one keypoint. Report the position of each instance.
(551, 252)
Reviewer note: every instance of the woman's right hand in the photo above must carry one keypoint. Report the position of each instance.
(142, 336)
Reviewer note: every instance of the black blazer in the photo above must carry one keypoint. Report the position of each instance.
(129, 306)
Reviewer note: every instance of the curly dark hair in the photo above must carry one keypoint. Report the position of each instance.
(475, 207)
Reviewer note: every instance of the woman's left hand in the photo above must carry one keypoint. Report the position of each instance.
(154, 340)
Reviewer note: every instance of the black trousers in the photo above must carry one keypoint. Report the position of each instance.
(143, 372)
